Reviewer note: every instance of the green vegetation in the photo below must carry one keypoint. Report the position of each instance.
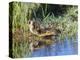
(62, 16)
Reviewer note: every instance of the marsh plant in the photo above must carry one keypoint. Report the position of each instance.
(63, 17)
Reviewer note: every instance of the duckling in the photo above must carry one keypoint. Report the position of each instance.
(33, 26)
(41, 31)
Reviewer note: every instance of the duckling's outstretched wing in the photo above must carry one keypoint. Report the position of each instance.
(46, 34)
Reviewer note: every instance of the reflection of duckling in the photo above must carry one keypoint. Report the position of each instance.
(36, 45)
(39, 30)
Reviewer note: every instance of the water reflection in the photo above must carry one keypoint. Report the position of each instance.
(63, 47)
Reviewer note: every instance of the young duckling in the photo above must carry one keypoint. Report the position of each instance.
(33, 26)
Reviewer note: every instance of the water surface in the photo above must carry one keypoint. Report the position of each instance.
(60, 47)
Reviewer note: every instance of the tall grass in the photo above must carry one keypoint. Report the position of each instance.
(22, 12)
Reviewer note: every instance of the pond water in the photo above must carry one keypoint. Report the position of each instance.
(60, 47)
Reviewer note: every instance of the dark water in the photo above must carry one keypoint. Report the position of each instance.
(60, 47)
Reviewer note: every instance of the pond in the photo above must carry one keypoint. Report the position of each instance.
(60, 47)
